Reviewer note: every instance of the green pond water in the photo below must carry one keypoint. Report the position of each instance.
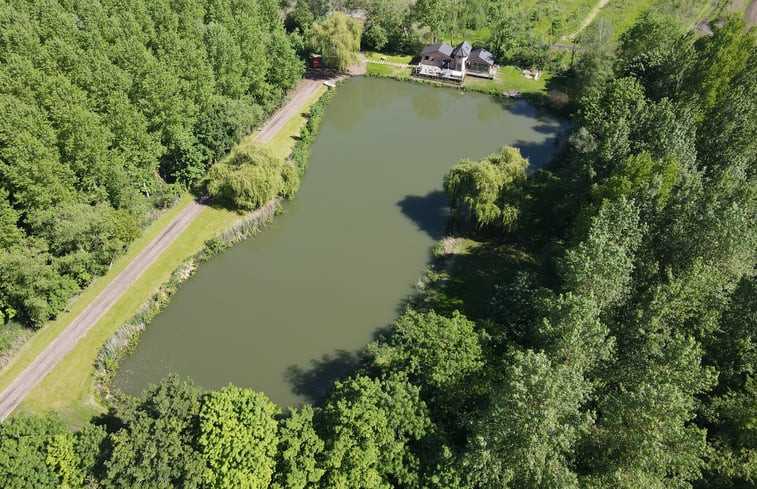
(285, 312)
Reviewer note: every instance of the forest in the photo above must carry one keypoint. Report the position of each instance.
(108, 111)
(606, 339)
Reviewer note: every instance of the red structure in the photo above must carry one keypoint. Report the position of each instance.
(315, 60)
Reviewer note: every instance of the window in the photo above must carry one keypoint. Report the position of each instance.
(426, 58)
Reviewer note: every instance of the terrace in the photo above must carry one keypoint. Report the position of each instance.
(436, 72)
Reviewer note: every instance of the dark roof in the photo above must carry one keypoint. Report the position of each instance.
(442, 47)
(462, 49)
(483, 55)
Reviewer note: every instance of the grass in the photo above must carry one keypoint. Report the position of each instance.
(282, 143)
(51, 330)
(509, 78)
(387, 71)
(623, 15)
(465, 279)
(69, 387)
(389, 57)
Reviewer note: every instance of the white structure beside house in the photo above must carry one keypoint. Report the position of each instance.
(443, 61)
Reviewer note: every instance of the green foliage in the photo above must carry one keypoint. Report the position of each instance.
(64, 461)
(387, 25)
(301, 151)
(368, 426)
(432, 350)
(238, 438)
(435, 15)
(600, 266)
(488, 190)
(251, 178)
(101, 106)
(300, 447)
(614, 346)
(24, 452)
(337, 38)
(719, 59)
(525, 438)
(156, 447)
(512, 39)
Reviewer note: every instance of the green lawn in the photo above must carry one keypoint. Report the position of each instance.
(509, 78)
(388, 57)
(387, 71)
(284, 140)
(69, 387)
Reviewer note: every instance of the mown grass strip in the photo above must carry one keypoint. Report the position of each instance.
(69, 388)
(47, 333)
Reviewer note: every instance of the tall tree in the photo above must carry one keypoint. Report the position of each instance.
(337, 38)
(238, 438)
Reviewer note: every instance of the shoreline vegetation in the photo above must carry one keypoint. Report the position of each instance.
(68, 391)
(126, 338)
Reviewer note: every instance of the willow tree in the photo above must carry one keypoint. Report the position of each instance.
(338, 39)
(250, 178)
(488, 191)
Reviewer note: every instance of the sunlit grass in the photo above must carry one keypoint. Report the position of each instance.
(509, 79)
(69, 387)
(51, 330)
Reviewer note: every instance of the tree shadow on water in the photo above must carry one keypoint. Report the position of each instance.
(539, 154)
(429, 212)
(316, 382)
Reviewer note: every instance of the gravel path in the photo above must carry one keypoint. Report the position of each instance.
(60, 346)
(69, 337)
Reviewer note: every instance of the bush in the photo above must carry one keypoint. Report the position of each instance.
(251, 178)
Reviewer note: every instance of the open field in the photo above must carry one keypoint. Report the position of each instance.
(68, 388)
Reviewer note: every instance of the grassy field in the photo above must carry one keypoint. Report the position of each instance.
(68, 389)
(509, 78)
(623, 15)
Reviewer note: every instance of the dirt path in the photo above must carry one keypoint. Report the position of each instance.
(589, 18)
(69, 337)
(79, 327)
(302, 93)
(750, 16)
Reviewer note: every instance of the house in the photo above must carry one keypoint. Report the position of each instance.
(481, 63)
(443, 61)
(460, 56)
(438, 55)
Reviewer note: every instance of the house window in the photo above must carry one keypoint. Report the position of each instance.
(426, 58)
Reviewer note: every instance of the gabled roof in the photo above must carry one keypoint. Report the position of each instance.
(441, 47)
(462, 49)
(483, 55)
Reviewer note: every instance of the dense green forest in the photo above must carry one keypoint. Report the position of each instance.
(109, 109)
(599, 335)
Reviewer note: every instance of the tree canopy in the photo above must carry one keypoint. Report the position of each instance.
(594, 328)
(106, 112)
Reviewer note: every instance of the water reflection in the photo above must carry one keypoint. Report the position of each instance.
(428, 103)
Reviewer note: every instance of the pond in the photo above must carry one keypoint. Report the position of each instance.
(284, 313)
